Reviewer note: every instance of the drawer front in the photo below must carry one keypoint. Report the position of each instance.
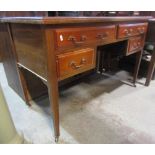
(72, 37)
(135, 44)
(75, 62)
(128, 30)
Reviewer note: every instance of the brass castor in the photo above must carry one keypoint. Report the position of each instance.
(56, 139)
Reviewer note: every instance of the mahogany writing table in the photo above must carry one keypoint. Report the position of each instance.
(56, 48)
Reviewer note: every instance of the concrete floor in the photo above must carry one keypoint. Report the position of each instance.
(98, 110)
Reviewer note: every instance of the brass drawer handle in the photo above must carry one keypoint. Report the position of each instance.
(127, 33)
(74, 40)
(141, 30)
(74, 66)
(103, 36)
(83, 37)
(137, 45)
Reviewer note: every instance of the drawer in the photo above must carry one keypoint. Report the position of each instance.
(75, 62)
(72, 37)
(128, 30)
(135, 44)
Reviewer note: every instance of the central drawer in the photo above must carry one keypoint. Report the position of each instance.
(73, 37)
(75, 62)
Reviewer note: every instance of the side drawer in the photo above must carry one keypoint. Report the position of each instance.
(128, 30)
(135, 44)
(72, 37)
(75, 62)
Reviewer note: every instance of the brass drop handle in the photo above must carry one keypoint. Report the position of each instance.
(71, 38)
(136, 45)
(83, 37)
(74, 66)
(127, 33)
(74, 40)
(103, 36)
(141, 30)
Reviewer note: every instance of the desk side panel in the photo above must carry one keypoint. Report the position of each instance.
(9, 61)
(30, 47)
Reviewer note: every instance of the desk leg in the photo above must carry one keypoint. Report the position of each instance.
(52, 82)
(100, 61)
(53, 97)
(137, 65)
(150, 70)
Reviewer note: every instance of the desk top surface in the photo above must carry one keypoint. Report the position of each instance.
(71, 20)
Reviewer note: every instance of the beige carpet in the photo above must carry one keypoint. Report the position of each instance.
(98, 110)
